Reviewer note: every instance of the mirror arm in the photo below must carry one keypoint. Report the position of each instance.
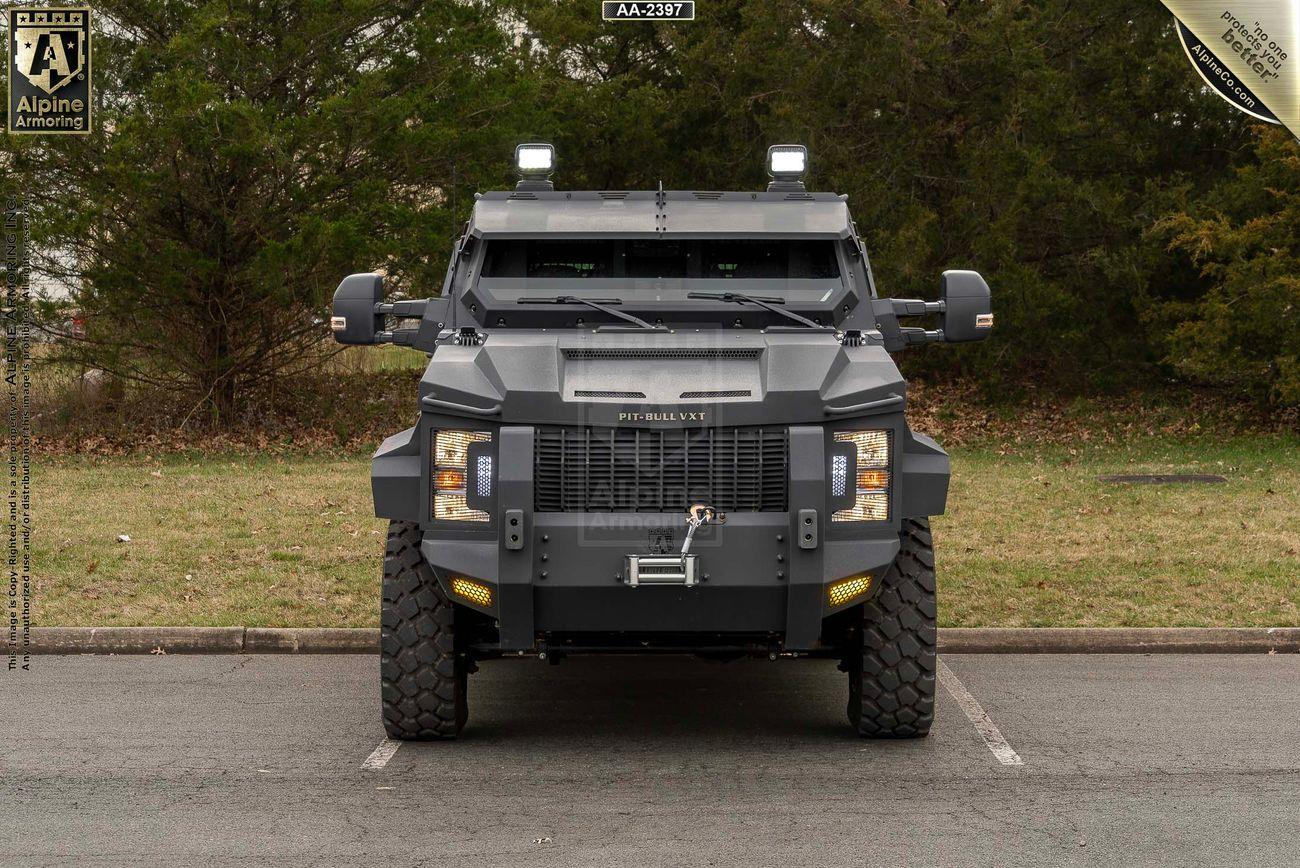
(400, 337)
(407, 309)
(413, 309)
(917, 307)
(913, 336)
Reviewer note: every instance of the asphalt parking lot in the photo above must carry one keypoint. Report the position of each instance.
(1103, 759)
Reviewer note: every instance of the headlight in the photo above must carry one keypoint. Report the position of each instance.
(451, 451)
(870, 482)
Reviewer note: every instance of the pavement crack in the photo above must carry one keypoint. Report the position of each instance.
(242, 662)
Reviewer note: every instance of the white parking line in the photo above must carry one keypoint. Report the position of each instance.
(380, 756)
(976, 714)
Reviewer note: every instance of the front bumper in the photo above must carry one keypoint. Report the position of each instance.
(570, 577)
(759, 574)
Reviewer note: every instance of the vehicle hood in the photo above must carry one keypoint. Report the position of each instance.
(676, 379)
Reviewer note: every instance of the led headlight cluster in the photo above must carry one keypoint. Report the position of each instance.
(451, 475)
(871, 482)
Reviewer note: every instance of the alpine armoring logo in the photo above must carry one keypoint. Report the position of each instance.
(49, 71)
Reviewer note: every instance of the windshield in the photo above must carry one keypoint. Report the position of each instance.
(636, 258)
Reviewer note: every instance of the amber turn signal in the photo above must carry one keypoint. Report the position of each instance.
(475, 592)
(873, 480)
(844, 590)
(449, 480)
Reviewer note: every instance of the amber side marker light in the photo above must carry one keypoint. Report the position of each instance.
(873, 479)
(449, 479)
(475, 592)
(847, 589)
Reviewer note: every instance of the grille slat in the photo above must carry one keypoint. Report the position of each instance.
(596, 469)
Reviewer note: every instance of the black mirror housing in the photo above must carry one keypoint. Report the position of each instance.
(354, 319)
(968, 307)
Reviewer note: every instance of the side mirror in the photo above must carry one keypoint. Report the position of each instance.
(968, 308)
(354, 319)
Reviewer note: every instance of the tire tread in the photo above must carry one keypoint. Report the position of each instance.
(422, 678)
(892, 658)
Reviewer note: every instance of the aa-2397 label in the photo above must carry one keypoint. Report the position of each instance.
(613, 10)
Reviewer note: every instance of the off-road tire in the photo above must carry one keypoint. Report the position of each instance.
(422, 674)
(891, 657)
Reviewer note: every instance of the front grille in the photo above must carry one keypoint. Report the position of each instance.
(660, 470)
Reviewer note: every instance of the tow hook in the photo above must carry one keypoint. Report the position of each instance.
(696, 517)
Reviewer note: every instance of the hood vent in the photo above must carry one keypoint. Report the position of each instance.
(647, 353)
(590, 393)
(731, 393)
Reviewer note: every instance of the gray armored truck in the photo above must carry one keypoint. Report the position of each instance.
(654, 422)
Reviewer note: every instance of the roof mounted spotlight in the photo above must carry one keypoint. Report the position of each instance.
(787, 165)
(534, 163)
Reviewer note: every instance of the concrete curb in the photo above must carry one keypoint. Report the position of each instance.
(1120, 640)
(136, 640)
(952, 640)
(310, 640)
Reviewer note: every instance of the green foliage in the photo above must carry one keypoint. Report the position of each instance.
(247, 154)
(250, 153)
(1244, 332)
(1033, 141)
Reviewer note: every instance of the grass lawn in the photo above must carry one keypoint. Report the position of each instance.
(1031, 538)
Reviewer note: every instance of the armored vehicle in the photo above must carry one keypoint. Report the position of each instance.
(661, 421)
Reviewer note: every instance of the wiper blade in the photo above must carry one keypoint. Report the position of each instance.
(595, 304)
(766, 302)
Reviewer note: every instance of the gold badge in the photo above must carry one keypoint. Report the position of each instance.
(49, 71)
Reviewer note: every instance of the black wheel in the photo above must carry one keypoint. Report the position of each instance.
(422, 672)
(890, 659)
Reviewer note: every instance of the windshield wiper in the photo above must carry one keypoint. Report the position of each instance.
(766, 302)
(595, 304)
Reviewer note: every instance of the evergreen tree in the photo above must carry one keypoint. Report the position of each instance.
(247, 154)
